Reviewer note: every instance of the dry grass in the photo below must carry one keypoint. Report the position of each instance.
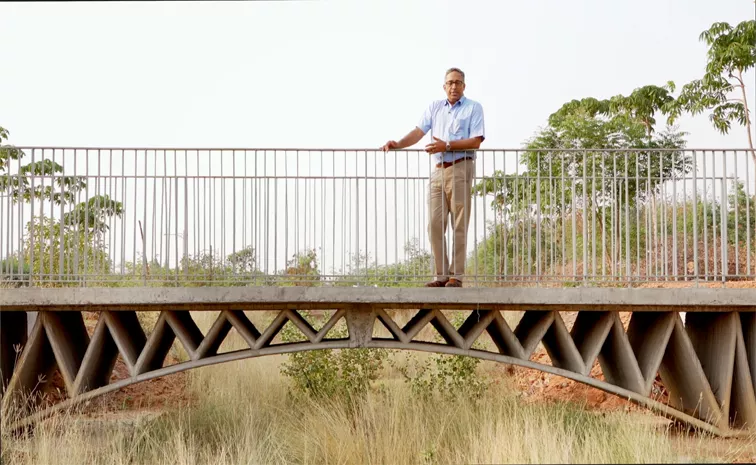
(245, 415)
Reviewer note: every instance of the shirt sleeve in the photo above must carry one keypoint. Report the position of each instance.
(477, 124)
(426, 122)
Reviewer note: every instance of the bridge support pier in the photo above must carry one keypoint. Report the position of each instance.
(360, 323)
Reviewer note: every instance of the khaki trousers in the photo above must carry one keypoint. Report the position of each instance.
(450, 192)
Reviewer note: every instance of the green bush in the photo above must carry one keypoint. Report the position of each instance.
(450, 376)
(334, 374)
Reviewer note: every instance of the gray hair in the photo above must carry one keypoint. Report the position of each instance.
(451, 70)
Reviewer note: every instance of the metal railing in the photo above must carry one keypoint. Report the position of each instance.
(231, 217)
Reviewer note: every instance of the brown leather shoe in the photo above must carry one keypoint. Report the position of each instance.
(437, 283)
(454, 283)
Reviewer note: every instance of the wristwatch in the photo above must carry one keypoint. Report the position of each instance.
(448, 146)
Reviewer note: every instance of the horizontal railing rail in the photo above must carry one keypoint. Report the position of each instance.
(328, 217)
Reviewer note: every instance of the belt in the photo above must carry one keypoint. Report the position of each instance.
(447, 164)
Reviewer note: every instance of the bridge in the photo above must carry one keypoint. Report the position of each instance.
(640, 261)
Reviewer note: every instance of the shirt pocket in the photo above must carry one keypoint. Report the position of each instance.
(460, 127)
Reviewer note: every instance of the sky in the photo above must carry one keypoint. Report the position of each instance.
(332, 74)
(337, 74)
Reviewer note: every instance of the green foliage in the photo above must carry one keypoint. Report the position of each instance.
(24, 185)
(54, 251)
(509, 249)
(448, 376)
(7, 153)
(201, 270)
(732, 51)
(244, 261)
(94, 213)
(51, 248)
(302, 269)
(451, 377)
(334, 374)
(567, 165)
(409, 272)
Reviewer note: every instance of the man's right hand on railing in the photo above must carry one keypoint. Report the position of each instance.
(390, 145)
(412, 138)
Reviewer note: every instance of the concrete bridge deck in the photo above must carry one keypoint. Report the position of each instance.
(263, 298)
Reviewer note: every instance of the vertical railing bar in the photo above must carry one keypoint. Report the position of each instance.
(504, 217)
(297, 249)
(136, 202)
(574, 227)
(538, 219)
(619, 180)
(694, 213)
(267, 213)
(651, 256)
(705, 219)
(185, 242)
(275, 212)
(375, 211)
(333, 191)
(628, 273)
(736, 207)
(144, 219)
(613, 212)
(664, 216)
(153, 224)
(496, 230)
(176, 212)
(6, 266)
(715, 254)
(50, 275)
(551, 262)
(233, 213)
(75, 270)
(20, 239)
(86, 217)
(585, 216)
(748, 218)
(604, 228)
(254, 205)
(32, 198)
(385, 217)
(594, 274)
(637, 216)
(723, 220)
(164, 208)
(63, 201)
(367, 239)
(675, 264)
(562, 219)
(685, 218)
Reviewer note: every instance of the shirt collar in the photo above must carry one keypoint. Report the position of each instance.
(459, 102)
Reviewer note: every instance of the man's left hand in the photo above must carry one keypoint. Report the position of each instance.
(437, 146)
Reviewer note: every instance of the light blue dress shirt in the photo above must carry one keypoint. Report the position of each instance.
(463, 120)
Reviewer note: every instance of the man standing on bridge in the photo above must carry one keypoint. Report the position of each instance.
(457, 129)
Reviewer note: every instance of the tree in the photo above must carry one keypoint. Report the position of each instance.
(577, 163)
(77, 234)
(732, 52)
(570, 155)
(21, 186)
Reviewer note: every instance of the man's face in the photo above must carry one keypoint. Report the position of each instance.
(454, 86)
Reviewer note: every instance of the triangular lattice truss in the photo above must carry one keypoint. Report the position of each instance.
(706, 364)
